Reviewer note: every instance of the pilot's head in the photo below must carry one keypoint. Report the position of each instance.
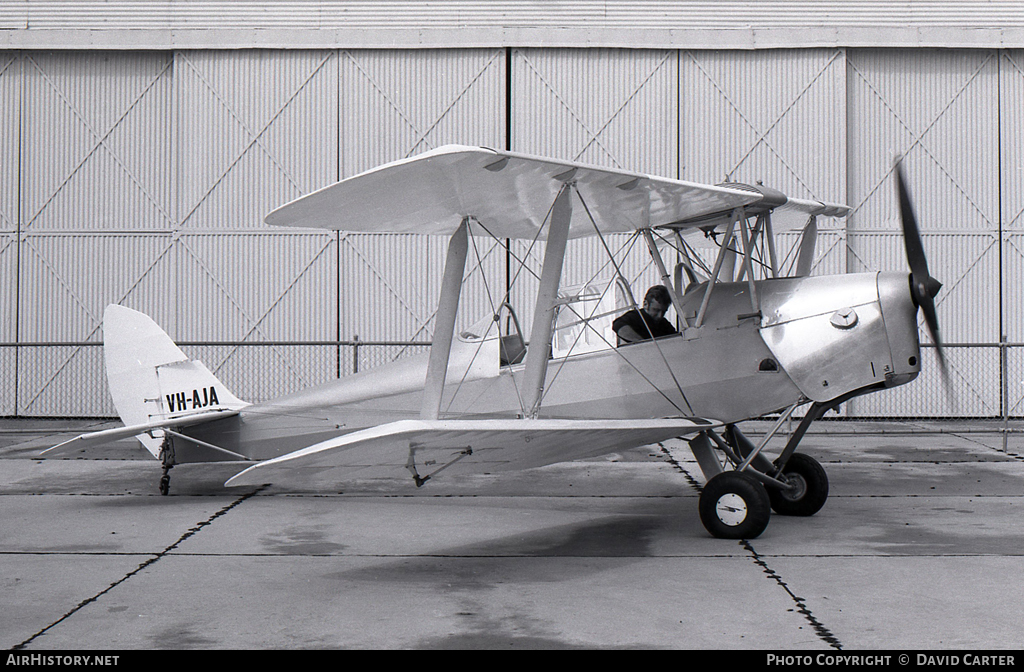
(657, 300)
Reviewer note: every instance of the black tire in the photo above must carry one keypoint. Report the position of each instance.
(734, 505)
(811, 491)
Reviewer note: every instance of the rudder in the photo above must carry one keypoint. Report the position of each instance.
(151, 379)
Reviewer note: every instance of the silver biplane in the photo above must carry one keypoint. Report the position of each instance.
(752, 341)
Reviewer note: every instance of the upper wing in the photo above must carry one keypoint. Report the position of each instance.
(787, 212)
(508, 193)
(425, 447)
(807, 207)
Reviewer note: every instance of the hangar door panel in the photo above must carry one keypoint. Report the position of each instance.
(776, 117)
(1011, 112)
(398, 103)
(10, 107)
(95, 209)
(395, 104)
(607, 107)
(939, 110)
(255, 129)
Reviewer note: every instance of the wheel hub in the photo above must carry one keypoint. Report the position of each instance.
(797, 487)
(731, 509)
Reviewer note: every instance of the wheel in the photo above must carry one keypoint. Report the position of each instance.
(810, 487)
(734, 505)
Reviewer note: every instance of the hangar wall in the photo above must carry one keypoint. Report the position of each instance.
(142, 177)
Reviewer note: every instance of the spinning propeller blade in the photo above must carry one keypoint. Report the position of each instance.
(923, 286)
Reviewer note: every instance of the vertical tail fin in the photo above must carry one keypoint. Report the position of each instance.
(151, 379)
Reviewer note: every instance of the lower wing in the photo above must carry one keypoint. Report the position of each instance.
(425, 448)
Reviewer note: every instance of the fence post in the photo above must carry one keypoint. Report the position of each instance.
(1003, 373)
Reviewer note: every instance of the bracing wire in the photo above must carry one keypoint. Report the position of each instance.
(634, 306)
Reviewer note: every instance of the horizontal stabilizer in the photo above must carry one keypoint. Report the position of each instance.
(106, 435)
(422, 448)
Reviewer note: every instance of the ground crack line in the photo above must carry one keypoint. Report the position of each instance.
(694, 483)
(1000, 450)
(819, 629)
(147, 563)
(824, 633)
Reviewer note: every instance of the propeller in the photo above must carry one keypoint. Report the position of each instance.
(923, 287)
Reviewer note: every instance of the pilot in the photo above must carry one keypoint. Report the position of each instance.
(649, 321)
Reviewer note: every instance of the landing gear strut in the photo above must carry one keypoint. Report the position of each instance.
(737, 504)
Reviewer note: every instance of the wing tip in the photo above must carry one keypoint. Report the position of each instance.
(240, 478)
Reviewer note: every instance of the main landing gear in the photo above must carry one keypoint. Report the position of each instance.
(737, 503)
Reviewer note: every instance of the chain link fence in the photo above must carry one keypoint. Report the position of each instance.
(69, 380)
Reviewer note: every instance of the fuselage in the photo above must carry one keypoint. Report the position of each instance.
(813, 339)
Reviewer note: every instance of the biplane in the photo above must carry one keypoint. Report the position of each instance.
(753, 340)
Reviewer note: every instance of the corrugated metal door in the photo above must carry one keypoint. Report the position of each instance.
(255, 129)
(143, 178)
(607, 107)
(95, 211)
(395, 104)
(10, 156)
(776, 117)
(939, 110)
(1011, 114)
